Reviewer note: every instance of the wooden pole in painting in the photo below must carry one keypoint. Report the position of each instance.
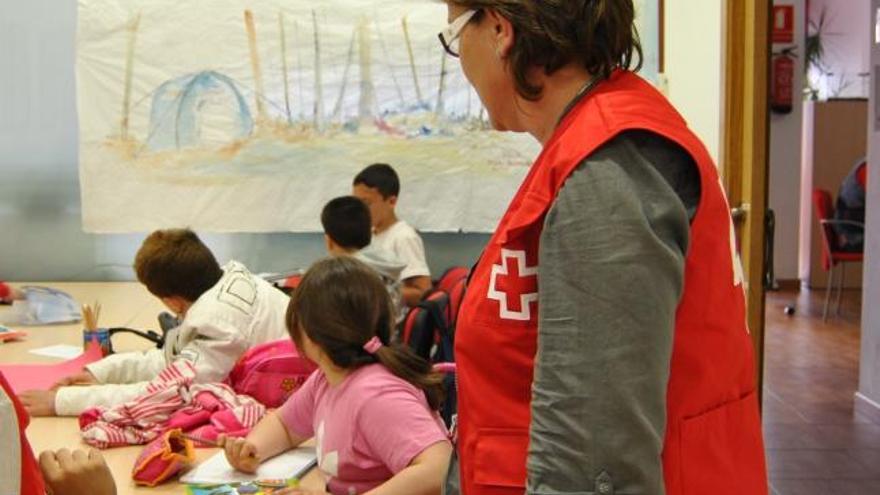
(255, 63)
(412, 59)
(299, 67)
(284, 66)
(319, 91)
(368, 90)
(439, 109)
(129, 71)
(337, 109)
(386, 57)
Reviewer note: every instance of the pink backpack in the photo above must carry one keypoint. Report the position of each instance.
(270, 372)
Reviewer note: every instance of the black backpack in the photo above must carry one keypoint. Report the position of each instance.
(428, 331)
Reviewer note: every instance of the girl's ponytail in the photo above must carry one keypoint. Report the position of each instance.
(403, 362)
(342, 305)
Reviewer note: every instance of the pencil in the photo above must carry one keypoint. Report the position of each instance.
(205, 441)
(201, 440)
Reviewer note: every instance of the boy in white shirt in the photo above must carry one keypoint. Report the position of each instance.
(378, 186)
(347, 231)
(223, 312)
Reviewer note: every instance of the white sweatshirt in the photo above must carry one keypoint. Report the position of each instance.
(239, 312)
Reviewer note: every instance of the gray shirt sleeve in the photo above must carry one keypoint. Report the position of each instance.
(611, 273)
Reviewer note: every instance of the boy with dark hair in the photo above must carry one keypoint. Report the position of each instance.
(379, 187)
(222, 312)
(347, 231)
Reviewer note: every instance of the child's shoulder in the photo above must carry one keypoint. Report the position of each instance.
(375, 380)
(402, 232)
(402, 227)
(233, 300)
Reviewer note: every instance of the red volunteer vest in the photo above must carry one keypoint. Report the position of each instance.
(713, 442)
(31, 478)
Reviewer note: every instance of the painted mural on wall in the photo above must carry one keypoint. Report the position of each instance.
(247, 116)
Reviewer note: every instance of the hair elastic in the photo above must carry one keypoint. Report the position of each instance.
(373, 345)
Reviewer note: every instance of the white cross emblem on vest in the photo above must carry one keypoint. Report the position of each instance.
(518, 284)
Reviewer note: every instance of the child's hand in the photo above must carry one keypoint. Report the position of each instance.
(77, 473)
(241, 454)
(38, 402)
(84, 377)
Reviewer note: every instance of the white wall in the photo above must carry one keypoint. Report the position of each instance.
(846, 53)
(785, 160)
(693, 34)
(868, 397)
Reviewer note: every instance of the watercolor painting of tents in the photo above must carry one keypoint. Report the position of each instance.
(248, 116)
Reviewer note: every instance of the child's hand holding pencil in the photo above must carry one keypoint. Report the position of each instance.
(241, 454)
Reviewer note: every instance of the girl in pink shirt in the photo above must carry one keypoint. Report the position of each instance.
(370, 406)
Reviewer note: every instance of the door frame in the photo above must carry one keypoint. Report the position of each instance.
(744, 159)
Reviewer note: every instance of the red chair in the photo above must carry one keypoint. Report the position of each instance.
(832, 256)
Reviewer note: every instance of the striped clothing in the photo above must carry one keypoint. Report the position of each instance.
(172, 400)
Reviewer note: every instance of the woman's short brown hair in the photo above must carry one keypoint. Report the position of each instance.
(598, 34)
(175, 263)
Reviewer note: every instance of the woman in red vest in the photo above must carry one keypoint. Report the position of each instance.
(59, 473)
(602, 346)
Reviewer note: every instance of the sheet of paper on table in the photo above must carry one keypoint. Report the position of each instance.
(58, 351)
(216, 470)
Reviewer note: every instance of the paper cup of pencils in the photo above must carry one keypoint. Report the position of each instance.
(92, 332)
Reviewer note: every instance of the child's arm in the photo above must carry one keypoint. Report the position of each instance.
(120, 378)
(212, 341)
(269, 438)
(128, 367)
(279, 431)
(71, 401)
(424, 476)
(414, 289)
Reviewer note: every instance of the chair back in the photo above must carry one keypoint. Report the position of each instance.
(825, 211)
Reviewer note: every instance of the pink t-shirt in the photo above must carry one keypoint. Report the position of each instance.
(367, 428)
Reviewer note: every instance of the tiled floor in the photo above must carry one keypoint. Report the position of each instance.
(816, 443)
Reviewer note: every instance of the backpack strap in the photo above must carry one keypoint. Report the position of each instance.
(150, 335)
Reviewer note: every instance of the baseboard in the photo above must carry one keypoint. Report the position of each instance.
(867, 407)
(793, 284)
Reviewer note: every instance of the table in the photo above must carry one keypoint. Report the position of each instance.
(126, 304)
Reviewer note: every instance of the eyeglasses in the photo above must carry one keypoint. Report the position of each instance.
(450, 36)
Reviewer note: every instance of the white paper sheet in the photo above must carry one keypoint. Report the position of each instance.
(216, 470)
(59, 351)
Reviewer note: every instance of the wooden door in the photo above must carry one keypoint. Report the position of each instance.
(745, 146)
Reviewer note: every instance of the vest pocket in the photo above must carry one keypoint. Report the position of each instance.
(723, 451)
(500, 457)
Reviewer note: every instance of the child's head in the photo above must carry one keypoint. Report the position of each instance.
(378, 186)
(176, 267)
(346, 222)
(339, 306)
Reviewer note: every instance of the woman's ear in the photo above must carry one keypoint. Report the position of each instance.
(502, 32)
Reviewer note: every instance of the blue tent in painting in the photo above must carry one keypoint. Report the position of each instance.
(202, 110)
